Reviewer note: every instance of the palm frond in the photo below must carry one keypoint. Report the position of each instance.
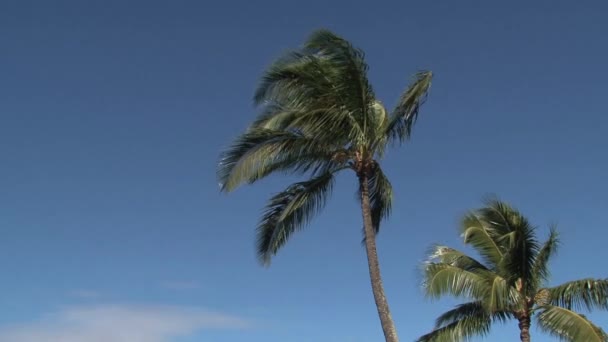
(456, 258)
(516, 237)
(586, 294)
(381, 197)
(441, 279)
(475, 233)
(463, 323)
(569, 326)
(289, 211)
(349, 63)
(540, 269)
(307, 91)
(405, 114)
(469, 309)
(259, 152)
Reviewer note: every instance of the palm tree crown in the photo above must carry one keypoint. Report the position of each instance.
(509, 282)
(318, 116)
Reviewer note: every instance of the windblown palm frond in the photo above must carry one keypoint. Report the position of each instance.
(463, 322)
(453, 257)
(381, 197)
(404, 116)
(569, 326)
(586, 294)
(259, 152)
(290, 210)
(540, 269)
(442, 279)
(475, 233)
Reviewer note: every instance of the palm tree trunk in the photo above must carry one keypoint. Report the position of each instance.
(388, 326)
(524, 328)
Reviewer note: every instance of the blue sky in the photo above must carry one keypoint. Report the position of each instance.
(112, 115)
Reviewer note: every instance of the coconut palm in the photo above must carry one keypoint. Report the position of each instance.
(318, 116)
(509, 282)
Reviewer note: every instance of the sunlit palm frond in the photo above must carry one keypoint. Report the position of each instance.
(453, 257)
(254, 154)
(289, 211)
(441, 279)
(404, 116)
(475, 233)
(569, 326)
(463, 323)
(540, 269)
(586, 294)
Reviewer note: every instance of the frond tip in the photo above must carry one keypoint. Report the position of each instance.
(569, 326)
(289, 211)
(406, 113)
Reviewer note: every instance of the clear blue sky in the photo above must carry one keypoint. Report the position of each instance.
(112, 115)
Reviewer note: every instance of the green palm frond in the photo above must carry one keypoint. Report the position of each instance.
(405, 114)
(349, 60)
(453, 257)
(289, 211)
(504, 238)
(466, 310)
(586, 294)
(305, 91)
(381, 197)
(475, 233)
(540, 269)
(441, 279)
(258, 152)
(569, 326)
(463, 323)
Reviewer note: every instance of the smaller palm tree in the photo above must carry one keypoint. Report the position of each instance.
(509, 282)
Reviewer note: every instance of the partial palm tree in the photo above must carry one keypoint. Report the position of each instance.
(318, 116)
(509, 282)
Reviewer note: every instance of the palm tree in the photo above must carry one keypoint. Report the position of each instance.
(319, 116)
(509, 282)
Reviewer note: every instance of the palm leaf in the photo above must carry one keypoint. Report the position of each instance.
(453, 257)
(581, 294)
(289, 211)
(476, 234)
(463, 322)
(304, 90)
(381, 197)
(514, 234)
(569, 326)
(540, 269)
(259, 152)
(405, 114)
(349, 63)
(441, 279)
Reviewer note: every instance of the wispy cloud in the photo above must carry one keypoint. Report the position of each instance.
(120, 323)
(181, 285)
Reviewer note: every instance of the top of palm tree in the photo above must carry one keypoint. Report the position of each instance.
(318, 114)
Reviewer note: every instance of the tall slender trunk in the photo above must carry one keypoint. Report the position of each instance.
(524, 327)
(388, 326)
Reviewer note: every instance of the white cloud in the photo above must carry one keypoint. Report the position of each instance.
(119, 323)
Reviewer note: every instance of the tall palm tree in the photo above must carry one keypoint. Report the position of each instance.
(319, 116)
(510, 282)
